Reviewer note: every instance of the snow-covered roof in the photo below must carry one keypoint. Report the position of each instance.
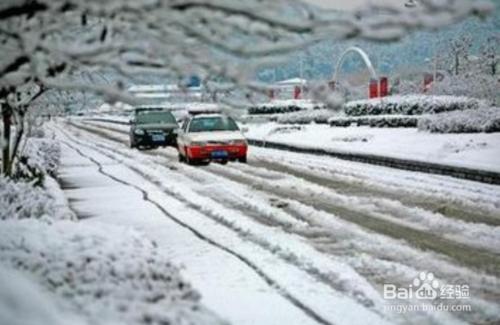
(207, 115)
(305, 103)
(292, 82)
(161, 88)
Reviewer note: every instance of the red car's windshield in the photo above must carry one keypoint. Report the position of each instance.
(216, 123)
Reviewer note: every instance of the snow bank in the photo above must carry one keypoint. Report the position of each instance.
(411, 105)
(21, 200)
(472, 150)
(111, 274)
(43, 154)
(284, 106)
(485, 119)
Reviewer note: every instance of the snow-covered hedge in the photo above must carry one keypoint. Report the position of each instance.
(411, 105)
(43, 154)
(24, 302)
(319, 116)
(22, 200)
(379, 121)
(111, 274)
(470, 121)
(284, 106)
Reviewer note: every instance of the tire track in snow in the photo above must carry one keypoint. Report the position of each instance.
(466, 255)
(462, 253)
(268, 279)
(153, 154)
(286, 256)
(447, 207)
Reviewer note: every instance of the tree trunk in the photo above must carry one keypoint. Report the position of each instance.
(18, 137)
(6, 162)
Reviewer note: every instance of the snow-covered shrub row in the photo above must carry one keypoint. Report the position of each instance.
(411, 105)
(40, 157)
(111, 274)
(319, 116)
(43, 154)
(486, 119)
(378, 121)
(24, 302)
(284, 106)
(22, 200)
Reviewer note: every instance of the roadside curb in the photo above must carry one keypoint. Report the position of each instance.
(95, 119)
(477, 175)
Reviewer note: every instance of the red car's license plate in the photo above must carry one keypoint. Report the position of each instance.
(219, 154)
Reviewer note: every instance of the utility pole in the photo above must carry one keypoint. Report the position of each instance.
(6, 118)
(434, 76)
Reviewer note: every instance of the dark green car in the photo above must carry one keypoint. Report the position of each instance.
(152, 128)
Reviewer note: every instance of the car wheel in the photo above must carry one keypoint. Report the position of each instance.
(223, 162)
(181, 158)
(189, 161)
(243, 160)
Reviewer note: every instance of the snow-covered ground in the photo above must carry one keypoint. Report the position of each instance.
(302, 239)
(251, 275)
(480, 150)
(57, 270)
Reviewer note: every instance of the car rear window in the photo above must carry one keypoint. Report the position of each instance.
(216, 123)
(155, 117)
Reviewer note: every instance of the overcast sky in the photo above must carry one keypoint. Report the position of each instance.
(349, 4)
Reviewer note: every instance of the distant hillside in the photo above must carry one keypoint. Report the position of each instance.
(318, 61)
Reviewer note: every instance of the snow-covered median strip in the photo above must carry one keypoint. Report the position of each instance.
(476, 151)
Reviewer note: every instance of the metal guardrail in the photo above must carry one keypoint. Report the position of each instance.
(477, 175)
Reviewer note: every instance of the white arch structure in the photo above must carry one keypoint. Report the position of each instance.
(364, 57)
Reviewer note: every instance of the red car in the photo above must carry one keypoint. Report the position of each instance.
(209, 137)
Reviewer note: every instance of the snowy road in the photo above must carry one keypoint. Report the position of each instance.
(300, 238)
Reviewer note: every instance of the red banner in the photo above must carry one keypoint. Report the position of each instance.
(373, 90)
(384, 87)
(296, 92)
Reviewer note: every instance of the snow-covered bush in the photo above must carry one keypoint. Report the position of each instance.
(43, 153)
(23, 302)
(40, 157)
(22, 200)
(319, 116)
(284, 106)
(378, 121)
(112, 274)
(411, 105)
(470, 121)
